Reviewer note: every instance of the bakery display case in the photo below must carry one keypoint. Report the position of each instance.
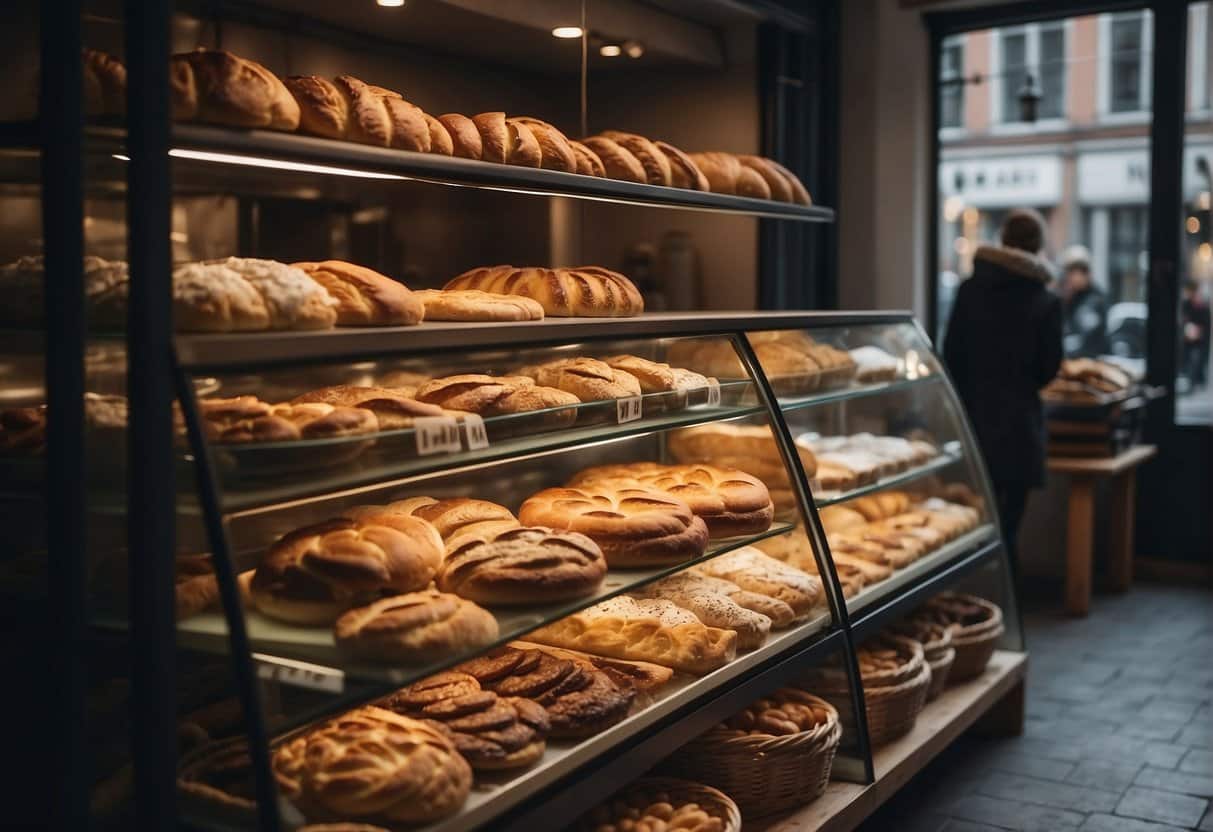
(381, 532)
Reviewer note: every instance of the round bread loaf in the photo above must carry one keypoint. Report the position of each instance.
(417, 628)
(523, 565)
(634, 527)
(373, 763)
(474, 305)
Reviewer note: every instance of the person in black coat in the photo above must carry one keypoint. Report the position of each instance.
(1003, 344)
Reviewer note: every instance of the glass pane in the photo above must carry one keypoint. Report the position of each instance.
(1127, 57)
(1194, 398)
(952, 94)
(1014, 73)
(1052, 72)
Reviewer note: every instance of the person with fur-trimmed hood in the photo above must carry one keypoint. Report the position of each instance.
(1002, 346)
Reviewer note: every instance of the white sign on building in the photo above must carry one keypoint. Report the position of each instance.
(1003, 182)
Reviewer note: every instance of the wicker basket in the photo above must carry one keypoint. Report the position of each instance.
(677, 792)
(976, 628)
(936, 641)
(941, 672)
(764, 774)
(892, 710)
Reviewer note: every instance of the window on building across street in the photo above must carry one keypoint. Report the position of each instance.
(1039, 51)
(1014, 52)
(951, 73)
(1127, 88)
(1052, 71)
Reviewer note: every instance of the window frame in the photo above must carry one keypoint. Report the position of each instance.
(1031, 31)
(958, 43)
(1103, 74)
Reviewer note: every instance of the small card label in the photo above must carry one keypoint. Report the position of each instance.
(629, 409)
(713, 393)
(302, 675)
(473, 428)
(437, 435)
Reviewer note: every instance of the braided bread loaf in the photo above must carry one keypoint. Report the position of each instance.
(585, 291)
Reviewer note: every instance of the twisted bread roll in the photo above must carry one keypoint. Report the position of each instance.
(751, 569)
(491, 732)
(371, 762)
(633, 526)
(351, 109)
(586, 378)
(311, 574)
(588, 291)
(523, 565)
(365, 297)
(655, 163)
(417, 628)
(474, 305)
(218, 87)
(729, 501)
(588, 163)
(649, 630)
(617, 161)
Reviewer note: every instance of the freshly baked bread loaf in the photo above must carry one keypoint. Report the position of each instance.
(586, 291)
(392, 408)
(751, 569)
(217, 87)
(617, 161)
(351, 109)
(656, 376)
(586, 378)
(440, 138)
(839, 517)
(655, 163)
(243, 293)
(311, 574)
(727, 175)
(458, 520)
(490, 732)
(580, 699)
(499, 396)
(684, 173)
(23, 283)
(588, 163)
(365, 297)
(799, 195)
(714, 608)
(650, 630)
(729, 501)
(104, 79)
(416, 628)
(750, 448)
(634, 527)
(555, 151)
(373, 763)
(465, 137)
(236, 421)
(474, 305)
(643, 676)
(523, 565)
(524, 147)
(777, 183)
(495, 144)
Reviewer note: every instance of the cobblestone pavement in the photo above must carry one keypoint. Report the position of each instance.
(1119, 731)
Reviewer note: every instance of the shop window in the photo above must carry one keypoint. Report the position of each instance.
(1053, 71)
(952, 91)
(1127, 63)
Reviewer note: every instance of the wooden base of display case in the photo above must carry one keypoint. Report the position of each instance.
(845, 805)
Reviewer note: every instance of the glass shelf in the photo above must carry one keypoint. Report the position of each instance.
(950, 454)
(397, 459)
(839, 394)
(309, 656)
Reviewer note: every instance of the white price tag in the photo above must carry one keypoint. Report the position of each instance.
(301, 675)
(713, 393)
(628, 410)
(436, 435)
(473, 428)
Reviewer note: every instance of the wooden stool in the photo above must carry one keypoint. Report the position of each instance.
(1085, 473)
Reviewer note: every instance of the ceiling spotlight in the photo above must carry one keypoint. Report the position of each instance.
(633, 48)
(567, 32)
(390, 4)
(610, 50)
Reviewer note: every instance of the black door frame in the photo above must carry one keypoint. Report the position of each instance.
(1178, 444)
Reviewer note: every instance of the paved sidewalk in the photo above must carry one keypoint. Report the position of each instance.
(1119, 736)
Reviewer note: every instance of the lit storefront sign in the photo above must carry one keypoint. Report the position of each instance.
(1003, 182)
(1122, 177)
